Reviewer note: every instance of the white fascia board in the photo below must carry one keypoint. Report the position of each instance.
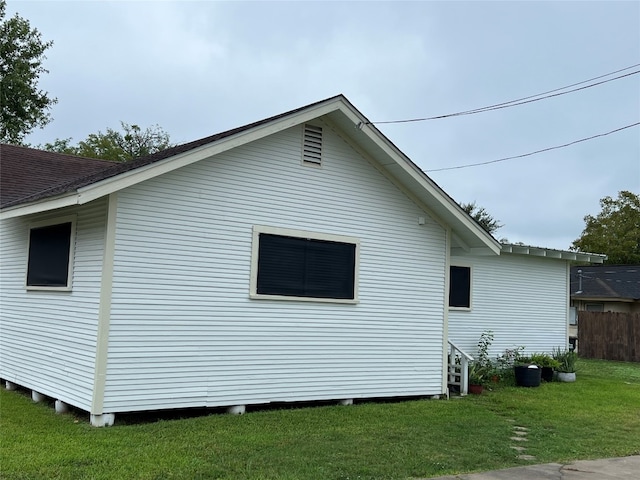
(41, 206)
(425, 182)
(553, 253)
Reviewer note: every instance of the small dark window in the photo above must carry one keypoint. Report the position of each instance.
(460, 287)
(49, 249)
(595, 307)
(302, 267)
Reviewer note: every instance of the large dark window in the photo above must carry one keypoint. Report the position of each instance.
(49, 249)
(302, 267)
(460, 287)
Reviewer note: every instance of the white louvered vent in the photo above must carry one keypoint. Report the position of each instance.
(312, 145)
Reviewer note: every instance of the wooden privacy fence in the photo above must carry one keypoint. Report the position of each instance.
(609, 336)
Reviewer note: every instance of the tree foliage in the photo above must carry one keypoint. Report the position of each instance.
(131, 142)
(615, 231)
(480, 215)
(23, 106)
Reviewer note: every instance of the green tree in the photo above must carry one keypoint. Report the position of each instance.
(615, 231)
(131, 142)
(22, 105)
(480, 215)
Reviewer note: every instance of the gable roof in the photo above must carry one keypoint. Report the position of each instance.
(615, 282)
(336, 111)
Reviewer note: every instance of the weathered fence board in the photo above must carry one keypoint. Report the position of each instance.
(609, 336)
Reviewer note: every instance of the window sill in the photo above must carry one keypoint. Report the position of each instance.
(460, 309)
(258, 296)
(30, 288)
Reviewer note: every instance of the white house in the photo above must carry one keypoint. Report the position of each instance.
(302, 257)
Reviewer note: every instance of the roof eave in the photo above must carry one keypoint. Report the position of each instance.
(600, 298)
(39, 206)
(552, 253)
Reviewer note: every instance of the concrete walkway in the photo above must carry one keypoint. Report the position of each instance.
(621, 468)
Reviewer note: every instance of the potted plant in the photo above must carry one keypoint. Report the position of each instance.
(477, 378)
(566, 364)
(527, 373)
(547, 363)
(481, 369)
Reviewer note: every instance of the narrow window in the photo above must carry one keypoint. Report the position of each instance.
(595, 307)
(460, 287)
(288, 266)
(50, 255)
(312, 145)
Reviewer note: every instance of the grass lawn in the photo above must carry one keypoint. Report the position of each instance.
(598, 416)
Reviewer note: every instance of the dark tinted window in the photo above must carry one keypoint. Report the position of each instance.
(460, 287)
(49, 256)
(301, 267)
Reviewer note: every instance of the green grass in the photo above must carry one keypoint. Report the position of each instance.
(598, 416)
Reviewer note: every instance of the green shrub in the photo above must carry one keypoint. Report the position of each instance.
(566, 360)
(544, 360)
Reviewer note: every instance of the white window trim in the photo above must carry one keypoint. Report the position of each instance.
(72, 245)
(470, 307)
(286, 232)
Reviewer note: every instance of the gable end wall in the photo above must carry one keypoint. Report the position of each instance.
(184, 332)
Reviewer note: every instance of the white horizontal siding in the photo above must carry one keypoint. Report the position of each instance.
(522, 299)
(183, 329)
(47, 339)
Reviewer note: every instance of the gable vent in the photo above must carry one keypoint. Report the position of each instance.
(312, 145)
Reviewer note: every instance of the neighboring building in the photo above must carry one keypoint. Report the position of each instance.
(302, 257)
(603, 288)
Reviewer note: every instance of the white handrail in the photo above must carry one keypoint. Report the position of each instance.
(466, 355)
(458, 373)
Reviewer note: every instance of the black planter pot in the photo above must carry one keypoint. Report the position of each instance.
(528, 375)
(547, 374)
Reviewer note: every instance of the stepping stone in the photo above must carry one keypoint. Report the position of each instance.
(518, 432)
(515, 427)
(526, 457)
(519, 439)
(519, 449)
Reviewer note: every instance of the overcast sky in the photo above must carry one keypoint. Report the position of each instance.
(198, 68)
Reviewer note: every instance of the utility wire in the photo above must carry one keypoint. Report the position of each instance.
(536, 152)
(523, 100)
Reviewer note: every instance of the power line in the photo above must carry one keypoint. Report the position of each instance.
(523, 100)
(536, 152)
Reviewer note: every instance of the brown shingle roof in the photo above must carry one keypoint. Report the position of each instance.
(26, 172)
(26, 182)
(606, 281)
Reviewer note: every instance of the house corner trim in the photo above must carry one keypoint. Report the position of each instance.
(445, 313)
(104, 312)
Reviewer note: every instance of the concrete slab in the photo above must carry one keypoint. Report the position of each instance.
(620, 468)
(607, 469)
